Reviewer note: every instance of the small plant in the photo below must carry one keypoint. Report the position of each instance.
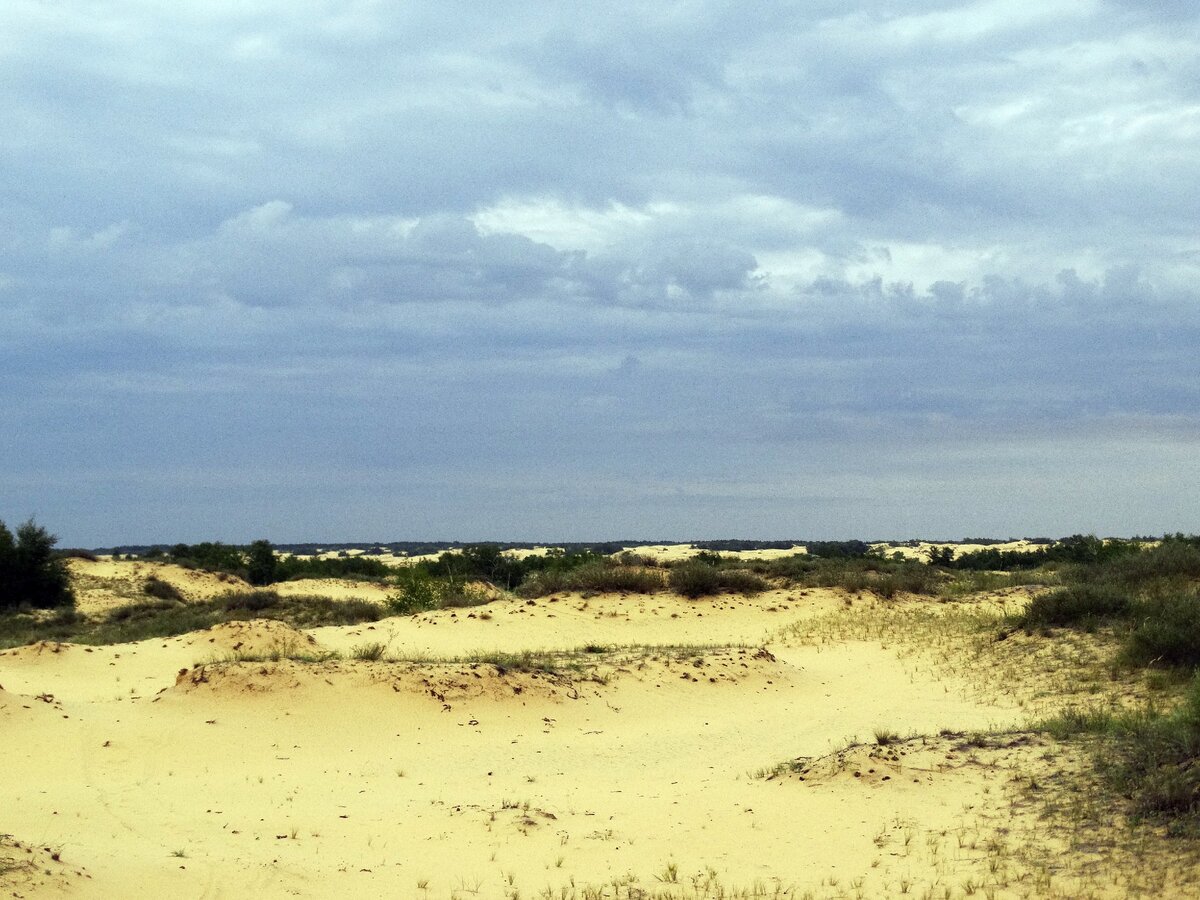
(372, 652)
(885, 737)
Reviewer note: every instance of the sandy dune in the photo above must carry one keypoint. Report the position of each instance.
(158, 769)
(106, 583)
(922, 549)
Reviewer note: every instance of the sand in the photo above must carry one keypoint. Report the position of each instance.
(162, 769)
(106, 583)
(922, 549)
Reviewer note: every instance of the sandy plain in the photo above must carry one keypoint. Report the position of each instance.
(673, 748)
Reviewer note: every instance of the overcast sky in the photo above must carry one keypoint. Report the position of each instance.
(341, 270)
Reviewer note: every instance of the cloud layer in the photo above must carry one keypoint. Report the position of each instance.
(359, 270)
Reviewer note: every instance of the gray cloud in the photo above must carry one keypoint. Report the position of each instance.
(685, 271)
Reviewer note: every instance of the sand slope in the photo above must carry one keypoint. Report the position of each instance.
(163, 771)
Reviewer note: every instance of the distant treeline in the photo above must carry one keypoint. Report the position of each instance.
(1080, 549)
(395, 548)
(259, 563)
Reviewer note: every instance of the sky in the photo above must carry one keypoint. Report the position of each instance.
(341, 270)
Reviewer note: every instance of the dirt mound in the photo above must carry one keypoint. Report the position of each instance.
(730, 665)
(445, 684)
(518, 677)
(911, 760)
(266, 638)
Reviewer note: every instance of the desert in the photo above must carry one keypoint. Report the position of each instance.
(784, 739)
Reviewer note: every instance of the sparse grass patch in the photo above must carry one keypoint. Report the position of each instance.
(29, 626)
(964, 583)
(1150, 757)
(279, 651)
(371, 652)
(147, 619)
(885, 736)
(883, 577)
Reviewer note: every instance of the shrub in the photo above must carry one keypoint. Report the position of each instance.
(838, 549)
(1167, 631)
(1173, 560)
(249, 601)
(550, 581)
(30, 573)
(1076, 605)
(315, 610)
(418, 592)
(909, 579)
(212, 556)
(462, 595)
(695, 579)
(742, 581)
(629, 558)
(162, 590)
(479, 562)
(291, 568)
(609, 577)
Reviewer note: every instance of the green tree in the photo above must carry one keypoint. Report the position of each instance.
(30, 573)
(261, 564)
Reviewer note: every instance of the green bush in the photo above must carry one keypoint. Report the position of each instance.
(458, 596)
(162, 590)
(885, 577)
(249, 601)
(418, 593)
(31, 575)
(1166, 631)
(1076, 605)
(608, 577)
(291, 568)
(695, 579)
(549, 581)
(1147, 756)
(1171, 561)
(838, 549)
(742, 581)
